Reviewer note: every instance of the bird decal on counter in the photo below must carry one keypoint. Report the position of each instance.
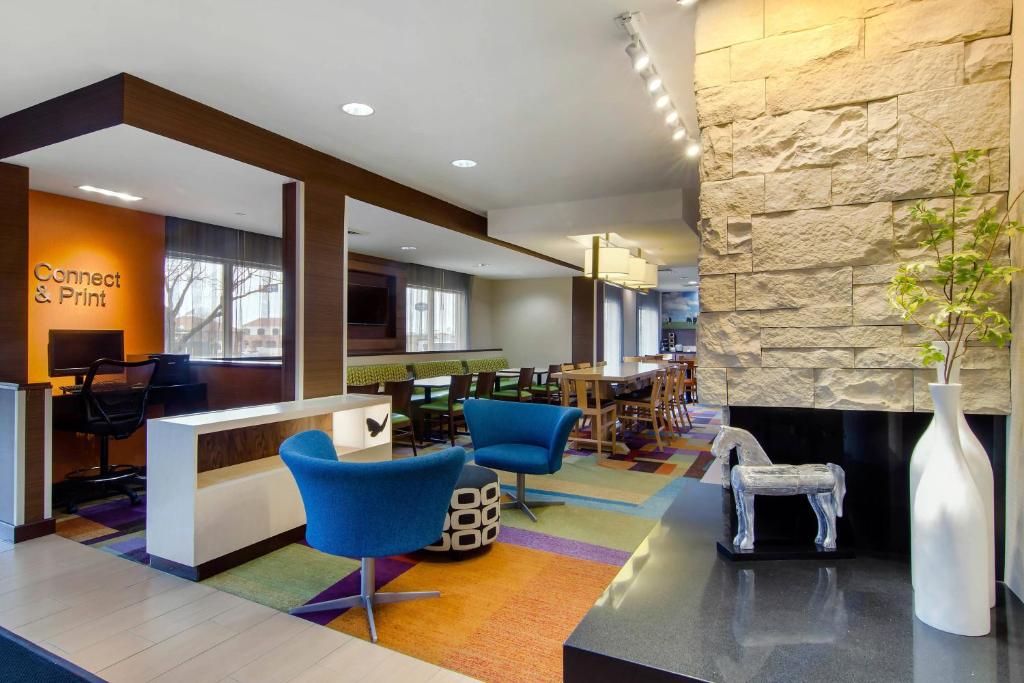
(375, 427)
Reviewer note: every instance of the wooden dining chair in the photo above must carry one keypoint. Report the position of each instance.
(373, 388)
(484, 384)
(448, 412)
(648, 409)
(632, 359)
(401, 411)
(601, 414)
(522, 390)
(690, 379)
(583, 366)
(549, 389)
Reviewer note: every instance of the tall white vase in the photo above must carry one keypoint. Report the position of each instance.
(981, 472)
(948, 518)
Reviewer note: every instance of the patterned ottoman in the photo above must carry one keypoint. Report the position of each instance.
(474, 515)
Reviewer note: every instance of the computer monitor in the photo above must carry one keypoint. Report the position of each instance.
(71, 352)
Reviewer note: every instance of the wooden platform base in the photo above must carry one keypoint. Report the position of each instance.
(781, 552)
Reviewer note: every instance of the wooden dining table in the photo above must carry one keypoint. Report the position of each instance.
(612, 373)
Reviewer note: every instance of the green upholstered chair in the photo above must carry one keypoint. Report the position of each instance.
(548, 390)
(486, 364)
(361, 375)
(401, 411)
(448, 412)
(436, 368)
(521, 392)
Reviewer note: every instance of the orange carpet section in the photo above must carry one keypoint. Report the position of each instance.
(497, 605)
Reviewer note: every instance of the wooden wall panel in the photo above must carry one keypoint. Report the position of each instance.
(14, 273)
(245, 444)
(289, 230)
(372, 270)
(35, 453)
(582, 320)
(86, 110)
(323, 304)
(236, 386)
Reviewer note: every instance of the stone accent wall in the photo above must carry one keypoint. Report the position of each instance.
(812, 116)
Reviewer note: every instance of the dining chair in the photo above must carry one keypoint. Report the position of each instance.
(373, 388)
(690, 379)
(678, 400)
(601, 413)
(648, 409)
(549, 389)
(448, 412)
(583, 366)
(632, 359)
(521, 392)
(484, 384)
(401, 411)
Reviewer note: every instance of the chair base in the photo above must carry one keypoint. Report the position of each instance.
(367, 598)
(519, 500)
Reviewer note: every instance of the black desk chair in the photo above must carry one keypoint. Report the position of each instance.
(113, 403)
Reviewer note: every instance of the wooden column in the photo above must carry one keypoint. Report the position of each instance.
(290, 235)
(14, 273)
(587, 320)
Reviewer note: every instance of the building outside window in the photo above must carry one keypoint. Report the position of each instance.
(223, 292)
(435, 319)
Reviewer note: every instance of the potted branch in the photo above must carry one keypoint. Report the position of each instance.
(953, 291)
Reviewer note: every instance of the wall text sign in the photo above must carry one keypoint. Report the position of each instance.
(73, 287)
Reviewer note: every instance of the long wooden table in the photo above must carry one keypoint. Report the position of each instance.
(612, 373)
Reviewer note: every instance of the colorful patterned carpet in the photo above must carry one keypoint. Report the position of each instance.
(505, 611)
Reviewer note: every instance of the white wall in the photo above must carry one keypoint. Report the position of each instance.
(481, 325)
(532, 320)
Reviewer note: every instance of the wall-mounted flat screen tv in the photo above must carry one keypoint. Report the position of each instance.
(368, 305)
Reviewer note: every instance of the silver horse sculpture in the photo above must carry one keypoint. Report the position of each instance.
(824, 485)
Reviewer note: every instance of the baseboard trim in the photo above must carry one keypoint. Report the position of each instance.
(213, 567)
(26, 532)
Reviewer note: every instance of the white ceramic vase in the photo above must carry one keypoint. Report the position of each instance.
(950, 592)
(981, 472)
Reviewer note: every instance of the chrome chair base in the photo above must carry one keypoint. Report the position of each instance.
(367, 598)
(519, 500)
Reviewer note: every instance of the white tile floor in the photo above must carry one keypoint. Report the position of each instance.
(126, 622)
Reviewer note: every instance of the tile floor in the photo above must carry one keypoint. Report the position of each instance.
(127, 622)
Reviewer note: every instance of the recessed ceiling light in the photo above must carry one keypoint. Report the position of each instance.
(692, 282)
(123, 196)
(408, 248)
(241, 213)
(482, 265)
(357, 109)
(463, 163)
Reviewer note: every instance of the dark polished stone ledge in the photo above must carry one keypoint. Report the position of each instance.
(678, 612)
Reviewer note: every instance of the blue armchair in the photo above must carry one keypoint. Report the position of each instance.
(370, 510)
(525, 438)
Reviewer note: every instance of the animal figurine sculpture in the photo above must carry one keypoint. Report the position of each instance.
(755, 475)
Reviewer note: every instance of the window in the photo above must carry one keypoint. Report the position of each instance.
(435, 319)
(207, 319)
(612, 324)
(648, 324)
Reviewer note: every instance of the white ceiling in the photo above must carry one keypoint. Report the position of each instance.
(383, 233)
(539, 92)
(172, 178)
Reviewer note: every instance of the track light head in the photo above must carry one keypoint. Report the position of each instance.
(692, 149)
(653, 81)
(637, 53)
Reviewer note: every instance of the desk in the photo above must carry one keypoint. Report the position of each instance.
(176, 399)
(678, 612)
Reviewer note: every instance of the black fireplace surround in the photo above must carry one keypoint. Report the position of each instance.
(874, 448)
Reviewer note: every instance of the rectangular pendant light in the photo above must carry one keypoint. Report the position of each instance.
(613, 262)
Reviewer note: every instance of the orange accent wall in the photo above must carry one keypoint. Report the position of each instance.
(81, 235)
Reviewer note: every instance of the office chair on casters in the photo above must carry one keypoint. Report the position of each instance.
(368, 510)
(114, 396)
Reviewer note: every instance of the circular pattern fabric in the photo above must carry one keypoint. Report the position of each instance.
(474, 514)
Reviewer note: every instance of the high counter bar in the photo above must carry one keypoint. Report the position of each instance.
(678, 612)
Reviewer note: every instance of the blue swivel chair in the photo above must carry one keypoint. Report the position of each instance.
(370, 510)
(525, 438)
